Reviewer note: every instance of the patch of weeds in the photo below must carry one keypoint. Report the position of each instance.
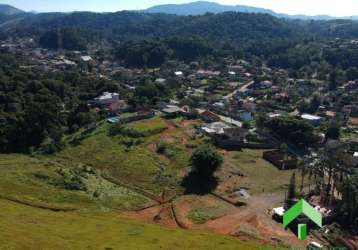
(74, 178)
(131, 142)
(166, 149)
(124, 131)
(201, 213)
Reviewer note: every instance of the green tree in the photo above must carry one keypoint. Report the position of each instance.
(291, 194)
(333, 131)
(205, 161)
(302, 165)
(333, 81)
(349, 205)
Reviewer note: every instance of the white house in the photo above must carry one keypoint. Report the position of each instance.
(86, 58)
(215, 128)
(313, 119)
(107, 98)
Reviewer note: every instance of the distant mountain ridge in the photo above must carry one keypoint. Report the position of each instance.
(203, 7)
(9, 10)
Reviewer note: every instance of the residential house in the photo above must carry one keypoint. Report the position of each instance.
(312, 119)
(265, 84)
(86, 58)
(329, 114)
(231, 138)
(215, 128)
(178, 73)
(118, 106)
(172, 110)
(209, 116)
(106, 98)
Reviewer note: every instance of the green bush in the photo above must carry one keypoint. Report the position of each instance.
(166, 149)
(72, 179)
(124, 131)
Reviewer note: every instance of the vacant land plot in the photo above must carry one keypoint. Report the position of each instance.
(198, 210)
(138, 162)
(247, 169)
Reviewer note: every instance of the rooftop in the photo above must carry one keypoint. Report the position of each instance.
(215, 127)
(86, 58)
(107, 95)
(310, 117)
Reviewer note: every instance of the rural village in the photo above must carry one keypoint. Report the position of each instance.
(130, 147)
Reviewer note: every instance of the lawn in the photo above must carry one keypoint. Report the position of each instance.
(24, 227)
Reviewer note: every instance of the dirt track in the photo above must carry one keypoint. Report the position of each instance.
(254, 216)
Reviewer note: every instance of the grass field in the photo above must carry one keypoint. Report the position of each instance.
(260, 175)
(139, 164)
(202, 212)
(24, 227)
(135, 164)
(25, 178)
(38, 182)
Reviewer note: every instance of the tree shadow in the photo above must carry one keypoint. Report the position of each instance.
(198, 184)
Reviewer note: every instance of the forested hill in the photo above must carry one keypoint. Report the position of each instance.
(232, 27)
(131, 24)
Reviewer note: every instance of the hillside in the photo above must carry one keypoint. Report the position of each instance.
(9, 10)
(47, 194)
(24, 227)
(232, 27)
(95, 187)
(130, 24)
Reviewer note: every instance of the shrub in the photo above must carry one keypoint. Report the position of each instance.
(72, 179)
(166, 149)
(121, 130)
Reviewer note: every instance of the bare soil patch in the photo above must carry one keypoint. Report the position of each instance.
(160, 214)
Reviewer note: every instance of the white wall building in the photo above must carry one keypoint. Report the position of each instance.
(107, 98)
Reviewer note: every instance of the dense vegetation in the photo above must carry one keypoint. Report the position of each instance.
(249, 31)
(37, 108)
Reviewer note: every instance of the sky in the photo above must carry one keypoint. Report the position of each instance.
(308, 7)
